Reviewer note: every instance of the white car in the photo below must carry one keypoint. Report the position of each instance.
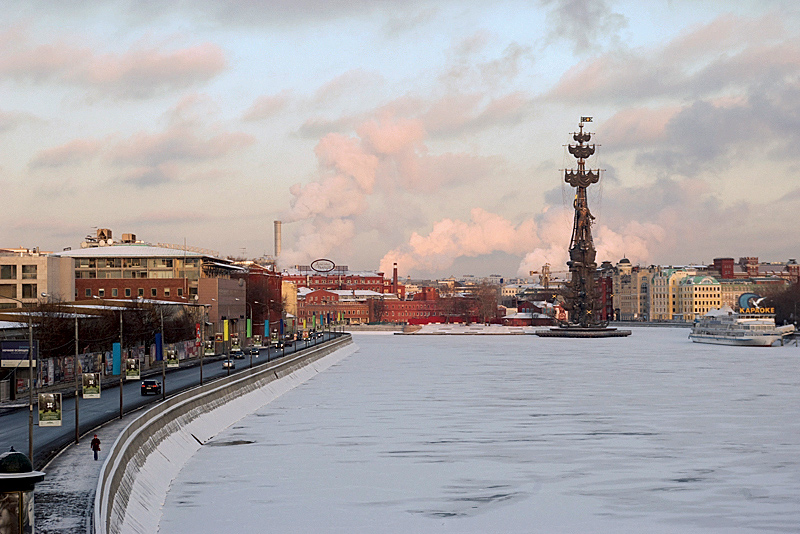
(229, 364)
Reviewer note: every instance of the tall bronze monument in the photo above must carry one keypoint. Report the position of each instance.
(580, 295)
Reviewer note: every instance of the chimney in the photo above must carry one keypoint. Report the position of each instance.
(394, 279)
(277, 239)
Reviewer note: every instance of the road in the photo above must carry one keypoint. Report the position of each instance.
(92, 413)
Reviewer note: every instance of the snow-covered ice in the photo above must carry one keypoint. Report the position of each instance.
(468, 434)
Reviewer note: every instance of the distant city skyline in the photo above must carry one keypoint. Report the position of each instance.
(424, 132)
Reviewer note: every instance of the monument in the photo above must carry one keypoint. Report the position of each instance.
(580, 295)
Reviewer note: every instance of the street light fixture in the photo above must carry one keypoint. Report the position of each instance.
(30, 377)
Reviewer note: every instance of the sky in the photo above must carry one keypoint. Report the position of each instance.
(431, 133)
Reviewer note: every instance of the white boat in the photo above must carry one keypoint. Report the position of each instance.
(727, 327)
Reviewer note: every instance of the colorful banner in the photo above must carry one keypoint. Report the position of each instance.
(159, 347)
(91, 385)
(50, 409)
(172, 358)
(117, 359)
(225, 333)
(249, 328)
(132, 369)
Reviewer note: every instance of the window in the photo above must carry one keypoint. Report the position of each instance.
(127, 292)
(114, 292)
(8, 272)
(166, 291)
(141, 292)
(9, 291)
(154, 292)
(29, 272)
(180, 291)
(88, 292)
(101, 293)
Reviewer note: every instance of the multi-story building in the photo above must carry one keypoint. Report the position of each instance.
(131, 269)
(632, 291)
(30, 275)
(696, 296)
(664, 292)
(341, 278)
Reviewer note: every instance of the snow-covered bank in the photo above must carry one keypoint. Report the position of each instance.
(152, 450)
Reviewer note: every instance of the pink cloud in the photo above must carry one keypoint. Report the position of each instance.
(635, 126)
(267, 106)
(450, 239)
(76, 151)
(137, 73)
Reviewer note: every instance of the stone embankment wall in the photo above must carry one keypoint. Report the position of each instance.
(152, 450)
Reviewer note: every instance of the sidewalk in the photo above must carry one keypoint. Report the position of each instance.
(64, 500)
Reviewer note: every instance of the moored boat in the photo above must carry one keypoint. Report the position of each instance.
(727, 327)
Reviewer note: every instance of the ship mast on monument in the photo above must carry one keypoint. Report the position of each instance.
(580, 295)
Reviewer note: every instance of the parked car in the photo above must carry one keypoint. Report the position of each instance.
(151, 386)
(229, 364)
(237, 354)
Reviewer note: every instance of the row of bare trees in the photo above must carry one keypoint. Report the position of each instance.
(100, 327)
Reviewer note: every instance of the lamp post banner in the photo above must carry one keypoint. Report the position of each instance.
(49, 409)
(91, 385)
(117, 360)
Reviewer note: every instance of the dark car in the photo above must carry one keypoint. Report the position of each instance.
(237, 354)
(253, 351)
(151, 386)
(279, 344)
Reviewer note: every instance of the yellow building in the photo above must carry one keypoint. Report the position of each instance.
(696, 296)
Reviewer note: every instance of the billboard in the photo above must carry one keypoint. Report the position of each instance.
(49, 409)
(15, 353)
(91, 385)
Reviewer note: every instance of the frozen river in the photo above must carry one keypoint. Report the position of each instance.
(484, 434)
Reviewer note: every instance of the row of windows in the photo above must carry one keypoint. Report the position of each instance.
(140, 292)
(10, 291)
(127, 273)
(9, 272)
(117, 263)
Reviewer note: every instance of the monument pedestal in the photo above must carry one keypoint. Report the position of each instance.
(577, 331)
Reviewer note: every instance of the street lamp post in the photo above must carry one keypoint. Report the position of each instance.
(30, 378)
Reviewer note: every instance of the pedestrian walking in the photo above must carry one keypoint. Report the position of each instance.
(96, 446)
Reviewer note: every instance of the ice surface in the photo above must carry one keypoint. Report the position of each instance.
(468, 434)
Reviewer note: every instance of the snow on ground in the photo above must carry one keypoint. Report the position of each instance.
(469, 434)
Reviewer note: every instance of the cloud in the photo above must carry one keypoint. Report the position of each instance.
(188, 140)
(347, 84)
(267, 106)
(728, 54)
(449, 239)
(584, 22)
(10, 120)
(139, 73)
(71, 153)
(357, 174)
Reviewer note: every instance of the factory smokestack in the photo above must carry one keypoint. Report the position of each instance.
(277, 239)
(394, 279)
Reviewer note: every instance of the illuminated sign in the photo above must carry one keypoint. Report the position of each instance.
(757, 310)
(323, 265)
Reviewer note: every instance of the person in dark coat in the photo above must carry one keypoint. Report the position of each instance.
(96, 446)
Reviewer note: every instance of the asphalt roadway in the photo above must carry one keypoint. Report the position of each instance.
(95, 412)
